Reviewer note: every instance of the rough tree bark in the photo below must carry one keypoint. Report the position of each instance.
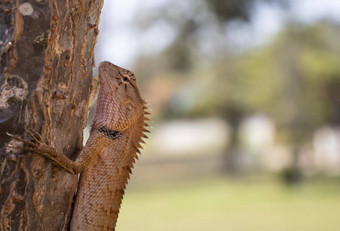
(46, 60)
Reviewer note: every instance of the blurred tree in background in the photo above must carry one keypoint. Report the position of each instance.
(302, 77)
(295, 79)
(199, 26)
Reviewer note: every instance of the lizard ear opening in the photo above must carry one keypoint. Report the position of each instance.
(129, 107)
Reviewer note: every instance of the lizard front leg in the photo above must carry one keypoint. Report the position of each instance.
(47, 151)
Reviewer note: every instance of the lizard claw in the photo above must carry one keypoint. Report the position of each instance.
(19, 138)
(35, 136)
(26, 142)
(16, 147)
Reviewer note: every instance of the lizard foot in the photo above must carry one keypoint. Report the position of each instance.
(28, 145)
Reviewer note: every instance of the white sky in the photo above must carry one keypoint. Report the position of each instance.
(311, 10)
(119, 43)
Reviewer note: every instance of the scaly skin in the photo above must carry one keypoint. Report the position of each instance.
(105, 162)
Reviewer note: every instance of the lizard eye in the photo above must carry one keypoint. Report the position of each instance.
(125, 79)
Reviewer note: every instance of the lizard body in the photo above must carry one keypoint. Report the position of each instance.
(106, 160)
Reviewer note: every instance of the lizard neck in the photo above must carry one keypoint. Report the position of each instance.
(112, 113)
(105, 109)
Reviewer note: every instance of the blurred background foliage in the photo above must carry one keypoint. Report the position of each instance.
(245, 98)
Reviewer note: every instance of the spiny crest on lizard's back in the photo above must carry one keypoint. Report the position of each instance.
(120, 102)
(140, 128)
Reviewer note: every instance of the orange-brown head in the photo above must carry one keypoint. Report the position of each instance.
(119, 103)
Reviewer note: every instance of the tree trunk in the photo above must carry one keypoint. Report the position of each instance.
(46, 60)
(234, 115)
(232, 155)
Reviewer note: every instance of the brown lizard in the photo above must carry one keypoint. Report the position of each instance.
(106, 160)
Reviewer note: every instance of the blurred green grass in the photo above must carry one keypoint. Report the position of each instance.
(237, 205)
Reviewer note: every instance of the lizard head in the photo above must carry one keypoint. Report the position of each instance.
(119, 103)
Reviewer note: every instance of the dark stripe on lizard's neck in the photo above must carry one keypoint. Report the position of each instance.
(110, 133)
